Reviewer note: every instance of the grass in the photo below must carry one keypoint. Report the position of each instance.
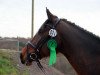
(10, 65)
(6, 66)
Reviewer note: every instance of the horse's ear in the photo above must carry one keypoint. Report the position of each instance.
(50, 16)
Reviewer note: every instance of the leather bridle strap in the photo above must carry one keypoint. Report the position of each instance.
(36, 54)
(36, 57)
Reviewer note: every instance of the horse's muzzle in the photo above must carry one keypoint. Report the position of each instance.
(21, 58)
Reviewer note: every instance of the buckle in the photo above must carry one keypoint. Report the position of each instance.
(33, 56)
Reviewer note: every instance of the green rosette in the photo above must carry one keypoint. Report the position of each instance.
(52, 44)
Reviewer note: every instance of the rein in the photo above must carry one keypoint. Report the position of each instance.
(35, 56)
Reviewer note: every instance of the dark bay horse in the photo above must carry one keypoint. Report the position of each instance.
(80, 47)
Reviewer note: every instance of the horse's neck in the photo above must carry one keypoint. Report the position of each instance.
(81, 48)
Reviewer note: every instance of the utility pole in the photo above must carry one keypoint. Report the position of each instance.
(32, 27)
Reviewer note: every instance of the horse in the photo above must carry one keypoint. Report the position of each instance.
(79, 46)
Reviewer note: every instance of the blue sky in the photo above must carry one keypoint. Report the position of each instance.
(15, 15)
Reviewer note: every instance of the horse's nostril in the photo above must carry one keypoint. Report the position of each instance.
(23, 62)
(21, 58)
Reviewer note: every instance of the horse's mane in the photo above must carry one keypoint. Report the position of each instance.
(82, 29)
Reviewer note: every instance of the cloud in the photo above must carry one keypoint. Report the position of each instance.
(15, 15)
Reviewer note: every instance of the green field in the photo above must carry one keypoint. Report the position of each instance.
(10, 65)
(6, 65)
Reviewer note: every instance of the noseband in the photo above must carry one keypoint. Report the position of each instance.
(35, 56)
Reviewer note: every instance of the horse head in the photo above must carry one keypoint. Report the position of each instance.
(37, 48)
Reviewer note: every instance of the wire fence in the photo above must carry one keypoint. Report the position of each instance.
(11, 44)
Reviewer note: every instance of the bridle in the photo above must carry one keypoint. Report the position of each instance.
(35, 56)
